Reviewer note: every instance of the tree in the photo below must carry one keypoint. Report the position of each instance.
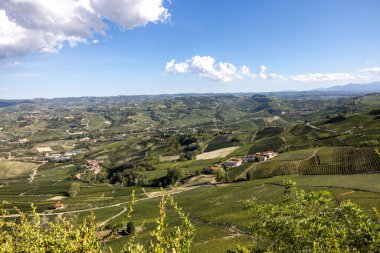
(249, 176)
(312, 222)
(174, 175)
(74, 189)
(130, 229)
(220, 175)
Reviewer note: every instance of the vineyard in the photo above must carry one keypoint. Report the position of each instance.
(296, 155)
(345, 160)
(269, 132)
(274, 168)
(274, 143)
(326, 161)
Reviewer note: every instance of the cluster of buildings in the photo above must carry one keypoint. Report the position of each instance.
(93, 166)
(261, 156)
(235, 162)
(60, 158)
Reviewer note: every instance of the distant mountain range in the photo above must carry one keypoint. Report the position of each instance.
(354, 87)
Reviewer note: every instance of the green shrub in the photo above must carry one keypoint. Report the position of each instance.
(312, 222)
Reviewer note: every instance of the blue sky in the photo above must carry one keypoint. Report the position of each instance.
(302, 44)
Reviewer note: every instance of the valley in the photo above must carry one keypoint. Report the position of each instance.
(212, 153)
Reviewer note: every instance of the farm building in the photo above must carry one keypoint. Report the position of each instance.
(63, 158)
(94, 166)
(234, 162)
(250, 158)
(267, 154)
(59, 206)
(73, 152)
(261, 158)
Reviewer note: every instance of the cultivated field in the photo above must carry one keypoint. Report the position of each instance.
(216, 153)
(14, 169)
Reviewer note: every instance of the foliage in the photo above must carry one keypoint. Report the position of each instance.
(29, 233)
(249, 175)
(174, 175)
(129, 178)
(74, 189)
(312, 222)
(178, 241)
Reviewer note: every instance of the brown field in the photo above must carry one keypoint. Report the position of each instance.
(223, 152)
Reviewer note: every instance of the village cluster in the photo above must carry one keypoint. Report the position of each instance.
(237, 161)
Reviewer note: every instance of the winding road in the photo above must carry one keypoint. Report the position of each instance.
(156, 195)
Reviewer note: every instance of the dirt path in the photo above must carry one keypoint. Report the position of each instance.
(247, 169)
(151, 196)
(31, 178)
(253, 136)
(111, 218)
(285, 141)
(320, 129)
(347, 193)
(314, 153)
(22, 194)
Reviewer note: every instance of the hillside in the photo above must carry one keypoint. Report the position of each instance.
(89, 154)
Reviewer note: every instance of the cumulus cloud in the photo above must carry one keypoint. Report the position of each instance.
(28, 26)
(264, 75)
(206, 66)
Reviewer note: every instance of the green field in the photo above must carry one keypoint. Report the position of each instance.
(14, 169)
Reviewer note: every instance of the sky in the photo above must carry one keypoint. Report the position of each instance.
(62, 48)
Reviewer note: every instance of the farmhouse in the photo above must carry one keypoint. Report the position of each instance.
(59, 206)
(63, 158)
(261, 158)
(250, 158)
(93, 165)
(52, 157)
(234, 162)
(78, 176)
(266, 155)
(73, 152)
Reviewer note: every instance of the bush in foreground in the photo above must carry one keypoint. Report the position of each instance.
(27, 233)
(312, 222)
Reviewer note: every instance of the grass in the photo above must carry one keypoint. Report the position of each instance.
(296, 155)
(236, 172)
(219, 142)
(15, 169)
(325, 155)
(272, 143)
(96, 121)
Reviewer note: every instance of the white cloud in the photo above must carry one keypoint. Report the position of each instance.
(206, 66)
(28, 26)
(371, 71)
(321, 77)
(264, 75)
(131, 13)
